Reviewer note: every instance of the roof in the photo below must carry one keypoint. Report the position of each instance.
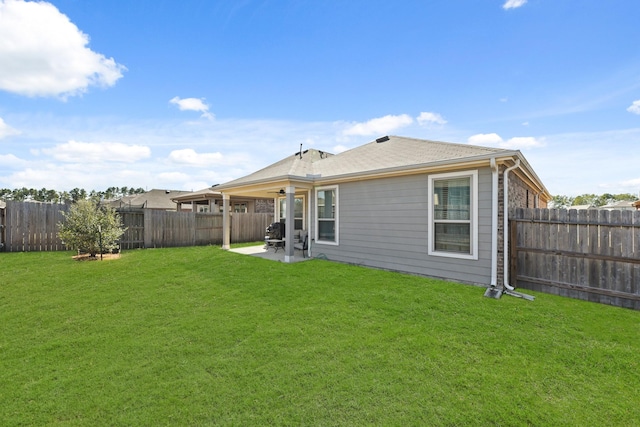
(153, 199)
(395, 152)
(204, 194)
(581, 207)
(389, 155)
(620, 205)
(301, 165)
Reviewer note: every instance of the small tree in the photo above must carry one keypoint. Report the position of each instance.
(91, 228)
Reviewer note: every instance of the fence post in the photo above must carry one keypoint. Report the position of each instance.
(148, 231)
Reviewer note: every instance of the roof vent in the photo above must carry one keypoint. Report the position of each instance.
(383, 139)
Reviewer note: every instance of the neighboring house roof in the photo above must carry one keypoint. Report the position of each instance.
(581, 207)
(153, 199)
(204, 194)
(386, 155)
(622, 205)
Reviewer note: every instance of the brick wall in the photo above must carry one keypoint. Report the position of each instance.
(264, 206)
(523, 196)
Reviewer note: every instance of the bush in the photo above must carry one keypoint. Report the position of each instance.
(91, 228)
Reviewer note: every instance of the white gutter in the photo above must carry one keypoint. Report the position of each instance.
(505, 228)
(494, 222)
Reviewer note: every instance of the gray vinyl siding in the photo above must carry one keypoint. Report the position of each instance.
(383, 223)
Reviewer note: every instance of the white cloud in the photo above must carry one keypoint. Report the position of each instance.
(192, 104)
(6, 130)
(513, 4)
(493, 139)
(10, 160)
(379, 126)
(635, 107)
(429, 118)
(44, 54)
(67, 176)
(87, 152)
(190, 157)
(485, 139)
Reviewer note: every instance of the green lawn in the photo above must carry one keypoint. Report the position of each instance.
(199, 336)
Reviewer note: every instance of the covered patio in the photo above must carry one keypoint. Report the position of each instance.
(290, 183)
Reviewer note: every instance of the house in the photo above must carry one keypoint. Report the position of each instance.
(153, 199)
(582, 207)
(210, 200)
(417, 206)
(622, 205)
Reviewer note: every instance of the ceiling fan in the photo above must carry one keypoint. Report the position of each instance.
(281, 192)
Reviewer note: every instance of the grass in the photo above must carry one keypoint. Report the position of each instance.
(200, 336)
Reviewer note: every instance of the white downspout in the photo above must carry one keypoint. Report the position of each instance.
(505, 228)
(494, 222)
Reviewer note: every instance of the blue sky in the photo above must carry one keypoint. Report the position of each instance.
(184, 95)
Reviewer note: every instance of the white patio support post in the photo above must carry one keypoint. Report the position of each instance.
(289, 227)
(226, 222)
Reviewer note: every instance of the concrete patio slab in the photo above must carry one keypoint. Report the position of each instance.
(270, 254)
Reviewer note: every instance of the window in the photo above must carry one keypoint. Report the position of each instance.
(327, 217)
(298, 211)
(453, 207)
(240, 208)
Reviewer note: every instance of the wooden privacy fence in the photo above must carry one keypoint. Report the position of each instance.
(157, 229)
(27, 227)
(31, 226)
(586, 254)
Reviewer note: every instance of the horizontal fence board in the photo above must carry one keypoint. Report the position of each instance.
(590, 254)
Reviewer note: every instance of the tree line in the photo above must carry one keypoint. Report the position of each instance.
(595, 200)
(53, 196)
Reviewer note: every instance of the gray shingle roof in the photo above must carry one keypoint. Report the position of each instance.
(206, 193)
(394, 152)
(152, 199)
(399, 152)
(296, 165)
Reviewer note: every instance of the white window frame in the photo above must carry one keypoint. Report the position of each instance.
(336, 219)
(279, 213)
(240, 207)
(473, 229)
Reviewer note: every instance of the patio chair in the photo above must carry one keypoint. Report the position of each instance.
(304, 244)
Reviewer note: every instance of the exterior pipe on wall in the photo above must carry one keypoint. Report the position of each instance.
(505, 223)
(494, 222)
